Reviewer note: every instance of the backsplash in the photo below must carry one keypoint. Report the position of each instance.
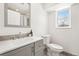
(15, 36)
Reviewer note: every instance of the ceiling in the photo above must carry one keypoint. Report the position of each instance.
(48, 5)
(55, 6)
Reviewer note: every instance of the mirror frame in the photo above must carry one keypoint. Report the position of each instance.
(6, 18)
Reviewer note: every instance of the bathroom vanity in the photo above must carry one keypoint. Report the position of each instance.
(22, 47)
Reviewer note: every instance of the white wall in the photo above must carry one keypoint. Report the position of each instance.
(9, 30)
(68, 38)
(38, 22)
(39, 19)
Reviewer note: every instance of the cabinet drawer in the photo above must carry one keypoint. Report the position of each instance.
(38, 45)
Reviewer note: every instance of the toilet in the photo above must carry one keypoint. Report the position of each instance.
(52, 48)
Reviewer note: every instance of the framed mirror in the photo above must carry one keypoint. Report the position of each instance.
(17, 15)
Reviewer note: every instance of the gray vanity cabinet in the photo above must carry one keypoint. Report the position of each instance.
(33, 49)
(27, 50)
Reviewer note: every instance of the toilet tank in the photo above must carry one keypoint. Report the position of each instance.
(46, 39)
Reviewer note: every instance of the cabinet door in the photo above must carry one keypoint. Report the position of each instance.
(38, 45)
(30, 50)
(39, 48)
(23, 51)
(40, 52)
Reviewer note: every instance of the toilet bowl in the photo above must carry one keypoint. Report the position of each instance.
(52, 48)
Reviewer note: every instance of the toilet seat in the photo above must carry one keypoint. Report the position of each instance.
(55, 46)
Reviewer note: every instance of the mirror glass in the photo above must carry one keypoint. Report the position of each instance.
(17, 14)
(13, 17)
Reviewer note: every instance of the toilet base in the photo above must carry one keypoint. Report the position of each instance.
(52, 53)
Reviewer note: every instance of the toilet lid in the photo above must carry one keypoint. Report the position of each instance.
(55, 46)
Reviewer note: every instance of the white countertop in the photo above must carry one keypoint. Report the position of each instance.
(8, 45)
